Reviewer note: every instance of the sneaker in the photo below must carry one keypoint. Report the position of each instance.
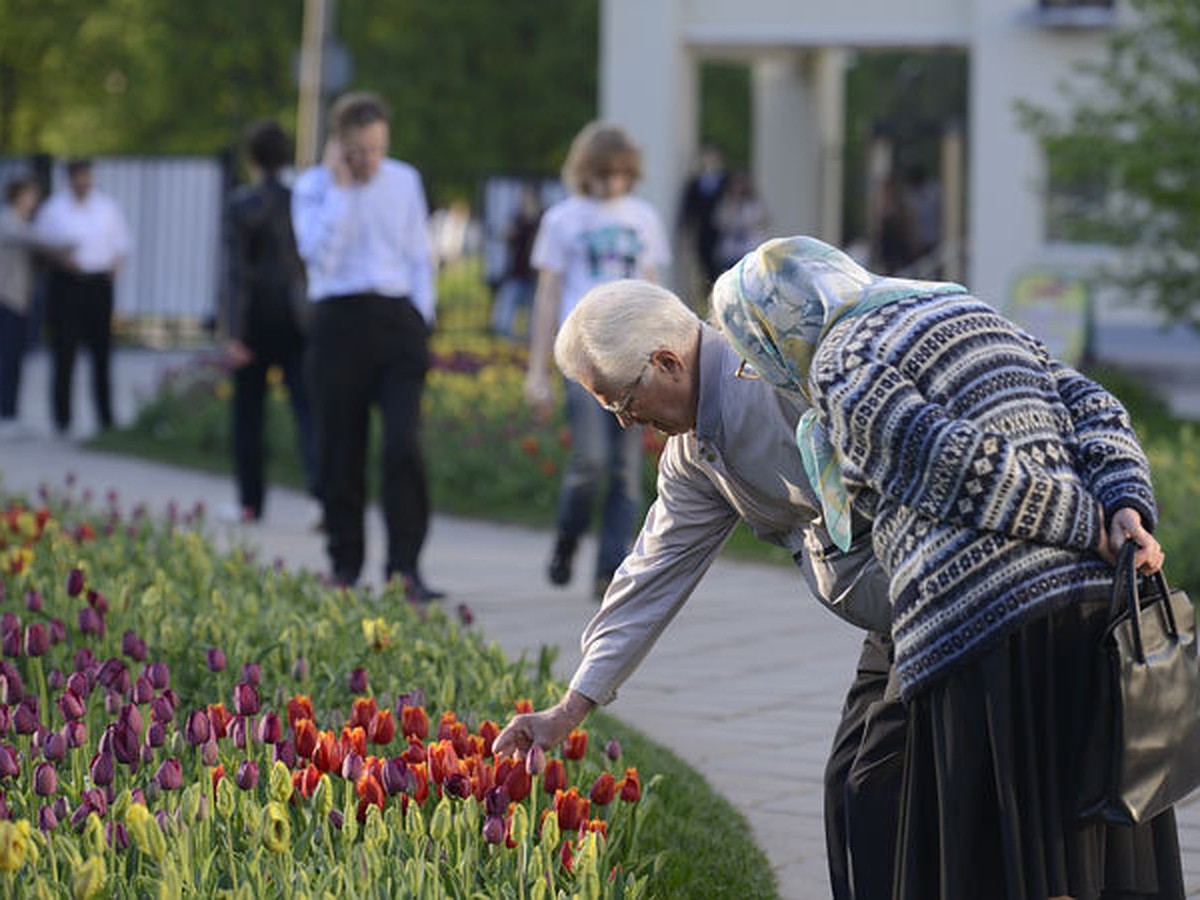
(416, 590)
(559, 571)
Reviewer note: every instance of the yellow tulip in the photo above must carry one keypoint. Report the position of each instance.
(14, 844)
(277, 828)
(281, 782)
(88, 880)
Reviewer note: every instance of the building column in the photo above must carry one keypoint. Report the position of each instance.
(786, 145)
(649, 85)
(829, 76)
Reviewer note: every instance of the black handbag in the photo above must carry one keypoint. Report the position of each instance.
(1145, 756)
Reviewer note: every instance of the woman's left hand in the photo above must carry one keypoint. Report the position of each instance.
(1126, 525)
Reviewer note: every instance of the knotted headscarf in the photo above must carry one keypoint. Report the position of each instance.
(775, 305)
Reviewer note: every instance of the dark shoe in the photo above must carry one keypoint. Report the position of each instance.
(559, 572)
(417, 591)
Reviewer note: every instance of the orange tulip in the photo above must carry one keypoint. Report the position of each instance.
(630, 786)
(363, 711)
(488, 732)
(306, 737)
(597, 825)
(328, 755)
(415, 753)
(460, 737)
(220, 718)
(604, 789)
(217, 774)
(414, 723)
(443, 762)
(300, 707)
(523, 706)
(555, 776)
(368, 788)
(575, 746)
(354, 739)
(444, 725)
(572, 810)
(382, 728)
(420, 786)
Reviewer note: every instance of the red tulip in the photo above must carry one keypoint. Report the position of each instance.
(219, 717)
(575, 746)
(630, 786)
(572, 810)
(300, 707)
(445, 726)
(307, 737)
(420, 782)
(382, 728)
(304, 781)
(328, 755)
(488, 731)
(555, 778)
(354, 739)
(604, 789)
(370, 792)
(414, 722)
(363, 711)
(523, 706)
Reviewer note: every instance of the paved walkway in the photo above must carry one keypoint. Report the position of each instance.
(745, 685)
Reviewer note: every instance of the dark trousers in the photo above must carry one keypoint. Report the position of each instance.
(12, 351)
(79, 309)
(249, 394)
(366, 350)
(863, 780)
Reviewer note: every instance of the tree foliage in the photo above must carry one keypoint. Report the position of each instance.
(1133, 130)
(475, 86)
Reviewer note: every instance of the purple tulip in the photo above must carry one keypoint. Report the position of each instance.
(336, 819)
(75, 733)
(58, 631)
(77, 683)
(112, 702)
(216, 659)
(357, 682)
(74, 582)
(5, 718)
(169, 776)
(171, 697)
(457, 785)
(55, 679)
(352, 766)
(116, 835)
(495, 801)
(45, 780)
(47, 820)
(10, 643)
(54, 747)
(133, 646)
(25, 719)
(165, 822)
(146, 754)
(162, 710)
(96, 800)
(245, 699)
(137, 795)
(395, 776)
(535, 760)
(237, 731)
(33, 600)
(159, 674)
(143, 690)
(285, 752)
(80, 816)
(270, 728)
(102, 769)
(37, 639)
(210, 753)
(252, 673)
(198, 728)
(493, 829)
(12, 691)
(613, 749)
(300, 669)
(156, 735)
(97, 601)
(91, 622)
(247, 775)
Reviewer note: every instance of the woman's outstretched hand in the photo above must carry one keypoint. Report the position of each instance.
(546, 728)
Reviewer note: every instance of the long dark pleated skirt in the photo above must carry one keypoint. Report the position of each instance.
(991, 798)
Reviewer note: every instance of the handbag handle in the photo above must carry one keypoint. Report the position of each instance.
(1126, 591)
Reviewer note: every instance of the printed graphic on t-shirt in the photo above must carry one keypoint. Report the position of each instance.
(612, 251)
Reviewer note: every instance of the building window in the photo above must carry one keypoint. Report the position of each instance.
(1075, 14)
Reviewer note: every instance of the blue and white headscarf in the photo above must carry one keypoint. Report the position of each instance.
(775, 305)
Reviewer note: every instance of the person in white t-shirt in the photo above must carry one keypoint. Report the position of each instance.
(79, 303)
(600, 233)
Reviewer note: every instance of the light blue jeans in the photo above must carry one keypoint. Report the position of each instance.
(599, 447)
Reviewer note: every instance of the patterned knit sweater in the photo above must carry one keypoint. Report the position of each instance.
(982, 461)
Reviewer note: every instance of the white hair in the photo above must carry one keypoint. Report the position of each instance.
(611, 333)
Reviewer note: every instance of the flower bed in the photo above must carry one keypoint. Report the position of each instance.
(175, 722)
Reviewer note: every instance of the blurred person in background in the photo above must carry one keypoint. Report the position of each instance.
(362, 229)
(18, 244)
(517, 288)
(600, 233)
(79, 301)
(697, 211)
(266, 320)
(741, 220)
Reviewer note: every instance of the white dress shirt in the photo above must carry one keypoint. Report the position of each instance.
(365, 238)
(93, 226)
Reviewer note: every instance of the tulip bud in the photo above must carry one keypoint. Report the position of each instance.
(323, 796)
(74, 582)
(33, 600)
(216, 659)
(270, 728)
(198, 728)
(47, 820)
(247, 775)
(159, 674)
(169, 776)
(336, 819)
(493, 829)
(440, 821)
(56, 680)
(519, 827)
(10, 643)
(357, 681)
(102, 768)
(245, 699)
(45, 780)
(252, 674)
(54, 747)
(225, 798)
(535, 760)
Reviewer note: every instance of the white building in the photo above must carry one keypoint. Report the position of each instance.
(651, 51)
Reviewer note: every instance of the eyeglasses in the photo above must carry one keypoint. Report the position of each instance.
(746, 372)
(620, 408)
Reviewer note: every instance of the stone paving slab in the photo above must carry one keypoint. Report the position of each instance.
(746, 690)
